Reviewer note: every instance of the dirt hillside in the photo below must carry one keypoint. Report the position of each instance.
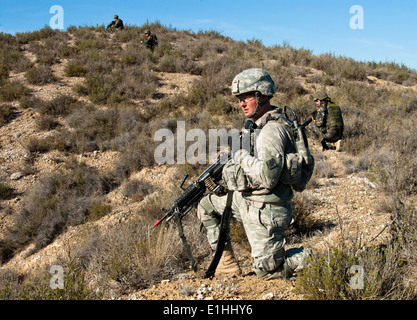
(345, 202)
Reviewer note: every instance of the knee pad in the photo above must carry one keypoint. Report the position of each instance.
(207, 214)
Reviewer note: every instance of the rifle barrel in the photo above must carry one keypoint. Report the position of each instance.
(307, 122)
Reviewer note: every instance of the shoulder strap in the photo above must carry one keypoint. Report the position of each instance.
(276, 115)
(224, 227)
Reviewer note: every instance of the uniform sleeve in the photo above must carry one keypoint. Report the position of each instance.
(321, 118)
(264, 168)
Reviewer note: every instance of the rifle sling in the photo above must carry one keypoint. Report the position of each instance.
(185, 243)
(224, 227)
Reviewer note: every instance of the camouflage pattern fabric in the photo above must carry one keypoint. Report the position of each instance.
(265, 207)
(254, 79)
(330, 122)
(151, 42)
(116, 24)
(264, 227)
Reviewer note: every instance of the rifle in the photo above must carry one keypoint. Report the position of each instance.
(207, 182)
(309, 119)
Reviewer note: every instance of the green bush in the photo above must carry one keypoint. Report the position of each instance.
(353, 272)
(38, 287)
(74, 69)
(40, 75)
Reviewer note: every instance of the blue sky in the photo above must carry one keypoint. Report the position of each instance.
(389, 30)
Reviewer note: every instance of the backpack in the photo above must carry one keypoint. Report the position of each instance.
(298, 163)
(330, 122)
(335, 121)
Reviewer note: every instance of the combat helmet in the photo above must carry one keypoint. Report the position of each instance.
(116, 16)
(321, 95)
(253, 80)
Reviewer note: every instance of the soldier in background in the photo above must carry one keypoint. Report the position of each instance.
(329, 121)
(260, 200)
(151, 40)
(116, 23)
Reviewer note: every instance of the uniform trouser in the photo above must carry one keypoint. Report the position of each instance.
(264, 227)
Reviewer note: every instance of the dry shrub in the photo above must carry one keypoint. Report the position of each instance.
(37, 286)
(37, 145)
(137, 189)
(403, 230)
(58, 200)
(323, 169)
(12, 90)
(46, 123)
(7, 113)
(61, 105)
(133, 254)
(137, 153)
(5, 191)
(137, 83)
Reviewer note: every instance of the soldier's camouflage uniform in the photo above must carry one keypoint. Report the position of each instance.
(116, 23)
(151, 40)
(260, 201)
(329, 120)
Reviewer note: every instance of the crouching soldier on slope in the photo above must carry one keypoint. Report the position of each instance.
(329, 121)
(261, 197)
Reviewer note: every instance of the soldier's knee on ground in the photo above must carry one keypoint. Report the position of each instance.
(295, 260)
(267, 265)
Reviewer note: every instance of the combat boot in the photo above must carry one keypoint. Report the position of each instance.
(228, 264)
(324, 145)
(338, 145)
(284, 271)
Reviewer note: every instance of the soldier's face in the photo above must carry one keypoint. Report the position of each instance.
(247, 103)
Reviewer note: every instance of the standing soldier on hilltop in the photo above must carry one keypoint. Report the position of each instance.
(116, 23)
